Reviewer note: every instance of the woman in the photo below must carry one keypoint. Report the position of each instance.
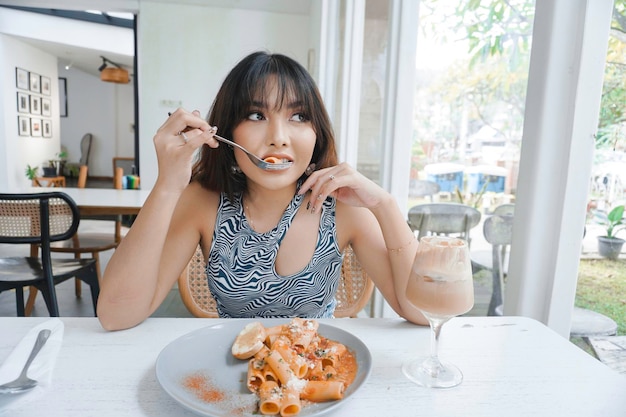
(273, 239)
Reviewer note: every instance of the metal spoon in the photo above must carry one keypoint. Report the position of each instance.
(23, 382)
(255, 159)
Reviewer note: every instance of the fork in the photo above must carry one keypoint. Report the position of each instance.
(23, 382)
(255, 159)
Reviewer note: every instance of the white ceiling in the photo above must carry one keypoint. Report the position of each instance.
(88, 60)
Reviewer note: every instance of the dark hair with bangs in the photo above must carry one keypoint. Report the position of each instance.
(247, 82)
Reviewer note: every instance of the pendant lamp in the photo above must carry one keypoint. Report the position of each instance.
(114, 73)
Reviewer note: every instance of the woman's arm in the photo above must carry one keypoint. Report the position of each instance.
(369, 235)
(380, 236)
(143, 267)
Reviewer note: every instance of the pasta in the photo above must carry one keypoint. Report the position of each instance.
(295, 364)
(272, 160)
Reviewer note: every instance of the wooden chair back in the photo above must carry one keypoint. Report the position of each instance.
(125, 162)
(118, 176)
(83, 170)
(354, 291)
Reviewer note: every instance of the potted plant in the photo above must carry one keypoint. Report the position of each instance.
(50, 170)
(59, 163)
(610, 246)
(31, 172)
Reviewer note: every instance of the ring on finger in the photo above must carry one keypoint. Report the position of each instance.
(184, 136)
(331, 176)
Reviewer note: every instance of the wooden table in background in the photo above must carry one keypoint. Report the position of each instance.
(49, 181)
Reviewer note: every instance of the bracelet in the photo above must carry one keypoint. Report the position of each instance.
(401, 248)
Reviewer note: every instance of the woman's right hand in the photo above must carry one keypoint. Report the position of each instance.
(176, 142)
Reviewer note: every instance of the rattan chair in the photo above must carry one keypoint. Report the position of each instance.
(39, 219)
(92, 243)
(353, 293)
(82, 243)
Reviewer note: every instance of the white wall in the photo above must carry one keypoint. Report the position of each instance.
(105, 110)
(187, 61)
(178, 63)
(18, 151)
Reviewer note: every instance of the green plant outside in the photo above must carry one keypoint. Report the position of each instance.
(614, 221)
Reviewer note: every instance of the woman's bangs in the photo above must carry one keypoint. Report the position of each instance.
(289, 89)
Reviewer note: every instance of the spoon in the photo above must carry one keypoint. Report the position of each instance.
(269, 166)
(23, 382)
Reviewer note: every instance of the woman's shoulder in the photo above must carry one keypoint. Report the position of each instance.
(351, 221)
(195, 195)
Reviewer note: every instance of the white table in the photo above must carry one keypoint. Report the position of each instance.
(97, 201)
(513, 367)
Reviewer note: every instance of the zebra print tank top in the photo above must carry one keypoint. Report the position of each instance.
(241, 267)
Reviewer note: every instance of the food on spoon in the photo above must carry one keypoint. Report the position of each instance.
(276, 160)
(249, 341)
(272, 160)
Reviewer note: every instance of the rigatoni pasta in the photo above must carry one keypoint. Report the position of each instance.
(294, 364)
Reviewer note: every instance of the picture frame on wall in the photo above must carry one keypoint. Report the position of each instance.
(21, 78)
(46, 106)
(35, 104)
(23, 103)
(62, 97)
(23, 125)
(47, 128)
(45, 85)
(35, 127)
(35, 82)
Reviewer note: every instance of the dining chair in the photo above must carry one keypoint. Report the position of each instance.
(85, 152)
(92, 243)
(40, 219)
(82, 243)
(507, 209)
(354, 291)
(450, 219)
(424, 189)
(126, 163)
(498, 232)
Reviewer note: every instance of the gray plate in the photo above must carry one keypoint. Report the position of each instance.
(206, 352)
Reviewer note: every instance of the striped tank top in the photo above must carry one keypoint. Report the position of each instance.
(242, 274)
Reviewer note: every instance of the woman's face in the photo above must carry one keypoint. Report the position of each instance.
(285, 133)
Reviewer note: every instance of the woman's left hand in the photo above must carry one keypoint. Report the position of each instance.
(345, 184)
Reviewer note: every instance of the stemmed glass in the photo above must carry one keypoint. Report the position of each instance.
(441, 287)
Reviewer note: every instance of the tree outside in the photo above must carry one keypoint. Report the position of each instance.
(470, 99)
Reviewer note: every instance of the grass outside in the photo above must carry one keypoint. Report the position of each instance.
(602, 288)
